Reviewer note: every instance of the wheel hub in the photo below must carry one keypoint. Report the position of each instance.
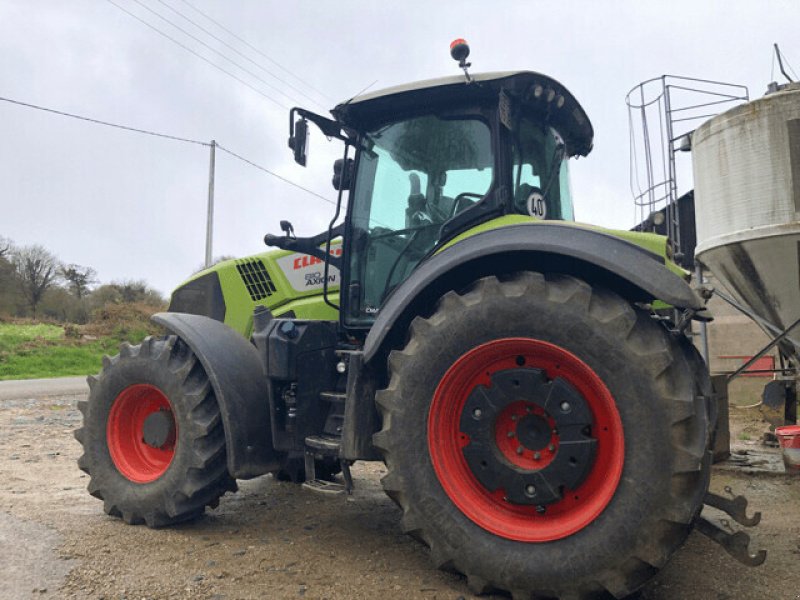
(534, 432)
(159, 429)
(528, 435)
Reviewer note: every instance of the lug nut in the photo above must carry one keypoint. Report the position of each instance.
(565, 407)
(530, 490)
(519, 449)
(513, 417)
(510, 434)
(537, 455)
(552, 447)
(341, 367)
(477, 413)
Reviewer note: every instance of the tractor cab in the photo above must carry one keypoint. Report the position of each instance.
(436, 158)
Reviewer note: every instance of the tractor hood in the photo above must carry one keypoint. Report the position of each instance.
(540, 95)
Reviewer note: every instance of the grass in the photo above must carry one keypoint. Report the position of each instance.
(40, 350)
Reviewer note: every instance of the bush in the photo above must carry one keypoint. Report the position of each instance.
(124, 322)
(72, 331)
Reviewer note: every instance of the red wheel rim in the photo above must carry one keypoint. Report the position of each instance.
(135, 459)
(490, 510)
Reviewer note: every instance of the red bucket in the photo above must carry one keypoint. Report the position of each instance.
(789, 439)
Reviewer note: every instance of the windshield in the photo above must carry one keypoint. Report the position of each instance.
(412, 176)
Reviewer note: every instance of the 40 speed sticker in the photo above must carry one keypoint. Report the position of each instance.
(306, 273)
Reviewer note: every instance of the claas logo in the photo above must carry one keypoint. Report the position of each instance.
(301, 262)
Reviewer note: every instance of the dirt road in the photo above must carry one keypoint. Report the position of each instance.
(276, 540)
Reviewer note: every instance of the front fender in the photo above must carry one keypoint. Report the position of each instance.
(598, 258)
(237, 375)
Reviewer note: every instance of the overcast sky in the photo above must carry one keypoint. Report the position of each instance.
(134, 207)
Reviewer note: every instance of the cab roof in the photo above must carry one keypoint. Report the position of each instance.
(541, 96)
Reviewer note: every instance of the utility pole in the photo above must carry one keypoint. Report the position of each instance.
(210, 216)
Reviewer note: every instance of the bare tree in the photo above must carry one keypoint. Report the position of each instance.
(5, 247)
(37, 270)
(79, 279)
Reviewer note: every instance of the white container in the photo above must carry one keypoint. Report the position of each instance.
(746, 165)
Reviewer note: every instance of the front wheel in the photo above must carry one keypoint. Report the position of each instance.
(545, 438)
(152, 436)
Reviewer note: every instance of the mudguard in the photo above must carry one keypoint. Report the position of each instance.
(240, 386)
(598, 258)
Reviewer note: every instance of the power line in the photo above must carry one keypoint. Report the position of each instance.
(215, 51)
(242, 54)
(200, 56)
(274, 174)
(107, 123)
(252, 47)
(167, 136)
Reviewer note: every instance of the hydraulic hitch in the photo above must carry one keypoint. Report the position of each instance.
(735, 507)
(735, 543)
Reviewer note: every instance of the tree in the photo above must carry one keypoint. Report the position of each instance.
(102, 295)
(37, 270)
(59, 304)
(78, 279)
(5, 247)
(9, 290)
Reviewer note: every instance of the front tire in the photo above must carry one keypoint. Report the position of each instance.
(152, 436)
(589, 500)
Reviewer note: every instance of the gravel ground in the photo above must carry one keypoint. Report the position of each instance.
(276, 540)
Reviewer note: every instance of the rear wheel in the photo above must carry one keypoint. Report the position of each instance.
(152, 435)
(545, 438)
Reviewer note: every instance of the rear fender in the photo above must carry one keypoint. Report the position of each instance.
(598, 258)
(237, 375)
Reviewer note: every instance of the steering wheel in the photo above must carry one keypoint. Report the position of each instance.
(460, 198)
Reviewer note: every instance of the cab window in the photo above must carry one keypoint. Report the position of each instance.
(541, 178)
(413, 176)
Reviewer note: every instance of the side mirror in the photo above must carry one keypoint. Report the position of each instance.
(298, 140)
(287, 228)
(343, 174)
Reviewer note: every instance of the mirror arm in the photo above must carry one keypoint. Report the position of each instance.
(327, 126)
(308, 245)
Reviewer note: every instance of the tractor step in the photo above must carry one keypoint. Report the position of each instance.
(327, 445)
(320, 486)
(348, 351)
(334, 397)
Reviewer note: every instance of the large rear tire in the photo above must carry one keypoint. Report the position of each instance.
(545, 438)
(152, 436)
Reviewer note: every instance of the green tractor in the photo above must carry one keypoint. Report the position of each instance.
(547, 430)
